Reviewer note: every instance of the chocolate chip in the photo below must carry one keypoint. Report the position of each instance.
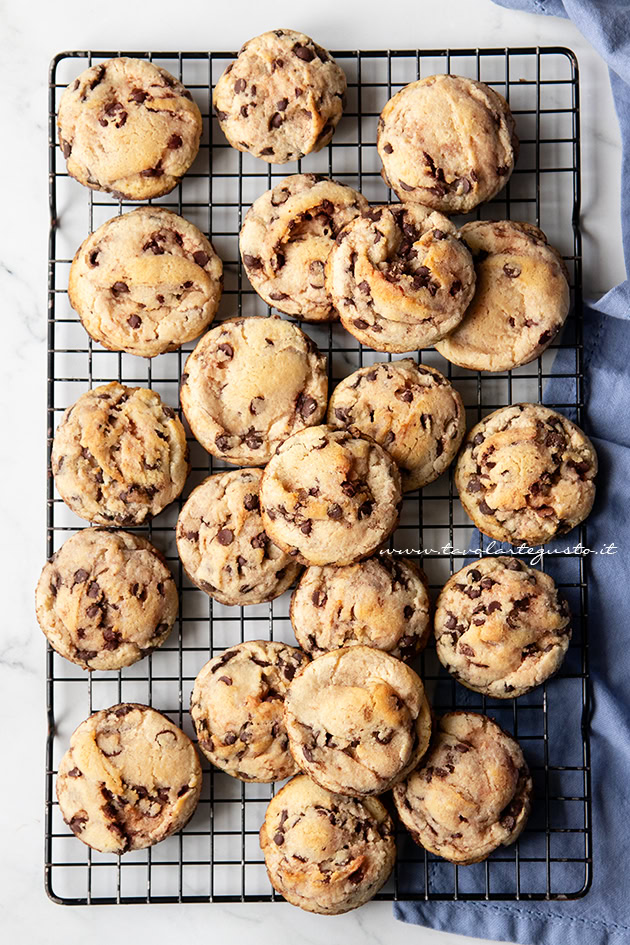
(276, 120)
(222, 442)
(303, 52)
(225, 536)
(502, 170)
(80, 576)
(319, 598)
(484, 508)
(240, 85)
(138, 96)
(306, 527)
(492, 606)
(152, 172)
(451, 622)
(66, 147)
(119, 288)
(478, 439)
(387, 148)
(134, 321)
(512, 272)
(455, 288)
(93, 590)
(360, 324)
(306, 405)
(252, 262)
(365, 510)
(405, 186)
(251, 502)
(225, 679)
(201, 258)
(278, 839)
(253, 441)
(174, 142)
(92, 258)
(474, 575)
(308, 754)
(335, 512)
(466, 650)
(474, 485)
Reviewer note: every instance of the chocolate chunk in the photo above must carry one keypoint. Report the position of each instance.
(308, 754)
(303, 52)
(74, 773)
(484, 508)
(201, 258)
(251, 502)
(478, 439)
(225, 679)
(138, 96)
(80, 576)
(240, 85)
(252, 262)
(319, 598)
(405, 186)
(276, 120)
(152, 172)
(335, 512)
(174, 142)
(225, 536)
(474, 485)
(306, 405)
(134, 321)
(227, 350)
(474, 575)
(466, 650)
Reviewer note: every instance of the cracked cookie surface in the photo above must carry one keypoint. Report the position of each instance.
(129, 779)
(249, 384)
(521, 299)
(106, 599)
(237, 706)
(128, 127)
(470, 794)
(281, 98)
(501, 627)
(399, 277)
(145, 282)
(326, 853)
(410, 409)
(526, 474)
(119, 455)
(358, 720)
(222, 543)
(286, 238)
(447, 142)
(329, 496)
(382, 602)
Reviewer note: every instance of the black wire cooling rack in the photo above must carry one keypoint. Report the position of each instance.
(217, 857)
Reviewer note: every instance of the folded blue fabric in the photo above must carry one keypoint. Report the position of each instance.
(602, 917)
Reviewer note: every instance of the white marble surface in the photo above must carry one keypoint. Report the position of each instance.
(31, 33)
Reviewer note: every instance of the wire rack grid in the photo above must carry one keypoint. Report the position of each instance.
(217, 857)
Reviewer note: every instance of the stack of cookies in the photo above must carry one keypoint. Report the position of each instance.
(319, 479)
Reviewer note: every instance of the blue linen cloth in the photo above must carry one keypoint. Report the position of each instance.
(602, 916)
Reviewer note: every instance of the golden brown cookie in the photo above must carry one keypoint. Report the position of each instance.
(237, 706)
(145, 282)
(286, 237)
(119, 455)
(399, 277)
(281, 98)
(526, 474)
(106, 599)
(128, 127)
(501, 627)
(326, 853)
(129, 779)
(249, 384)
(358, 720)
(447, 142)
(329, 496)
(470, 794)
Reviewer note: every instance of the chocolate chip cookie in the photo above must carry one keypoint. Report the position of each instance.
(129, 779)
(382, 602)
(223, 545)
(501, 627)
(400, 278)
(526, 474)
(237, 706)
(119, 455)
(281, 98)
(286, 238)
(326, 853)
(447, 142)
(249, 384)
(106, 599)
(520, 303)
(470, 794)
(410, 409)
(128, 127)
(358, 720)
(145, 282)
(330, 496)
